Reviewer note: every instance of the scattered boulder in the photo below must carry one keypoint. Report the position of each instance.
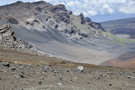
(87, 19)
(83, 35)
(96, 25)
(36, 21)
(80, 68)
(12, 68)
(27, 22)
(20, 75)
(39, 9)
(69, 12)
(6, 64)
(40, 82)
(62, 17)
(12, 20)
(58, 8)
(110, 84)
(59, 84)
(46, 68)
(82, 18)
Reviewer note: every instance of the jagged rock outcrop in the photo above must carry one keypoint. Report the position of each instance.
(42, 15)
(83, 21)
(8, 38)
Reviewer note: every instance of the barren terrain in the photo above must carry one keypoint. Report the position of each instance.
(21, 71)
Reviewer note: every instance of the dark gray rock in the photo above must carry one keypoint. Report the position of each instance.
(58, 8)
(12, 20)
(82, 18)
(8, 38)
(5, 64)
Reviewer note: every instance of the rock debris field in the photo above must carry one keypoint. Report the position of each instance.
(48, 77)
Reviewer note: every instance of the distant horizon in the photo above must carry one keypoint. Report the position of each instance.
(111, 18)
(97, 17)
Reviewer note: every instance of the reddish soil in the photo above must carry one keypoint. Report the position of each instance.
(130, 63)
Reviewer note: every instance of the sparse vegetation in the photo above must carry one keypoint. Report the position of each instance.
(118, 39)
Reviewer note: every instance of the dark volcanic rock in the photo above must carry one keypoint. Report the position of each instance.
(12, 20)
(6, 64)
(96, 25)
(8, 38)
(87, 19)
(58, 8)
(63, 17)
(82, 18)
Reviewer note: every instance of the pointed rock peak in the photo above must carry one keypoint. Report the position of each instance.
(41, 3)
(59, 7)
(18, 3)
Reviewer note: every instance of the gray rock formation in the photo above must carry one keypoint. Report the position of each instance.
(8, 38)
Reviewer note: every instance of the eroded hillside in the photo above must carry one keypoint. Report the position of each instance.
(56, 31)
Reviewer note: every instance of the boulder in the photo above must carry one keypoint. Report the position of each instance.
(82, 18)
(12, 20)
(57, 8)
(8, 38)
(96, 25)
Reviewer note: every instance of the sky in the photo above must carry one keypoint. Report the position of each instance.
(97, 10)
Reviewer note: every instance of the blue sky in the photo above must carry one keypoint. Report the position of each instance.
(98, 10)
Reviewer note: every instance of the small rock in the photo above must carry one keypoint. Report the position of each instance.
(59, 84)
(40, 82)
(46, 68)
(6, 64)
(98, 78)
(110, 84)
(13, 68)
(68, 71)
(80, 68)
(88, 83)
(20, 75)
(71, 80)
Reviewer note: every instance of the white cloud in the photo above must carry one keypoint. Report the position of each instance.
(107, 8)
(97, 7)
(92, 13)
(129, 8)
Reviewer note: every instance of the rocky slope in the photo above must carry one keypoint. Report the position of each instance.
(56, 31)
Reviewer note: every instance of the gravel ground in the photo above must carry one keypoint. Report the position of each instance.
(48, 77)
(22, 71)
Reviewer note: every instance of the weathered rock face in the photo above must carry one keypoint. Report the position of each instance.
(83, 21)
(8, 38)
(43, 16)
(96, 25)
(58, 8)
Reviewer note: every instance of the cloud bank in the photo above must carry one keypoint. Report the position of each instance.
(98, 7)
